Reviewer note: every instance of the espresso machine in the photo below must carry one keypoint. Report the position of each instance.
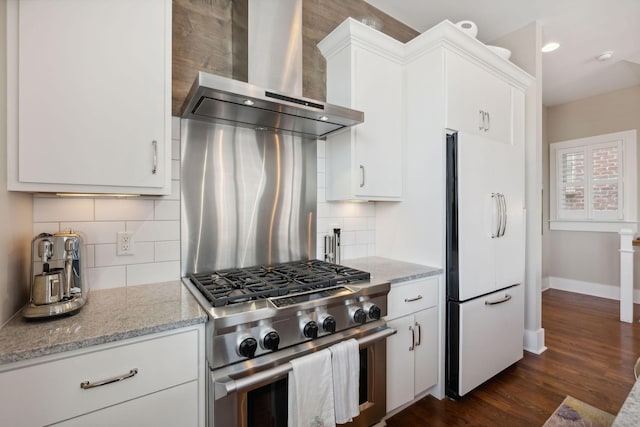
(58, 282)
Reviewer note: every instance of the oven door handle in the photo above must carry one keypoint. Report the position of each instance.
(226, 386)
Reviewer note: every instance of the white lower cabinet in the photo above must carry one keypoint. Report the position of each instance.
(161, 384)
(412, 353)
(177, 406)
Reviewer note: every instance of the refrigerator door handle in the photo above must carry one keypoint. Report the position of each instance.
(506, 298)
(503, 203)
(496, 199)
(413, 338)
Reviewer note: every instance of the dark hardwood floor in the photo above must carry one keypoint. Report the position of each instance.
(590, 356)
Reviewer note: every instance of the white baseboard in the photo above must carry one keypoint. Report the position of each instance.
(546, 284)
(534, 341)
(589, 288)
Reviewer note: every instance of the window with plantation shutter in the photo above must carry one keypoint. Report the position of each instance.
(593, 183)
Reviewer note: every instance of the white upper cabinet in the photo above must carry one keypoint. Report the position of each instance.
(89, 95)
(478, 101)
(364, 72)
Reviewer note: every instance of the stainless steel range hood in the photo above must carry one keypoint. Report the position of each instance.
(223, 100)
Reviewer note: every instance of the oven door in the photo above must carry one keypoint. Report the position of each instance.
(254, 392)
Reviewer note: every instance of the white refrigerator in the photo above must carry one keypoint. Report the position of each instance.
(485, 247)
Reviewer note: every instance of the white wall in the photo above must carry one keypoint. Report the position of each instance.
(587, 257)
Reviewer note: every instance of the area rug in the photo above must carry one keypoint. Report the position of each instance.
(575, 413)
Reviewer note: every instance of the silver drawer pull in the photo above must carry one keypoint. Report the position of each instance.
(87, 384)
(413, 299)
(506, 298)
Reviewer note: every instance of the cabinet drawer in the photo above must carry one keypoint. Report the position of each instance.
(411, 297)
(54, 387)
(177, 406)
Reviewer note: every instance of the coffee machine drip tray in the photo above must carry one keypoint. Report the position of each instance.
(71, 306)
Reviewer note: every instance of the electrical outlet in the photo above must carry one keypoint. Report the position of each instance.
(124, 245)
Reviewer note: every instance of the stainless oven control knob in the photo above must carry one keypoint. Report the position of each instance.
(310, 330)
(373, 311)
(248, 347)
(359, 316)
(271, 341)
(329, 324)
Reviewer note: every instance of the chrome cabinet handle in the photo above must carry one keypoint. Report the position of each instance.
(155, 157)
(419, 297)
(506, 298)
(503, 203)
(419, 334)
(480, 120)
(85, 385)
(362, 176)
(413, 338)
(488, 124)
(496, 199)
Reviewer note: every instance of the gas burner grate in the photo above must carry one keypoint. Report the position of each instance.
(238, 285)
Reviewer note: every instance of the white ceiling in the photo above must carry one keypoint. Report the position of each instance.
(584, 29)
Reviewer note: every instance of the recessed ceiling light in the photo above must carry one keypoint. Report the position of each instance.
(324, 118)
(248, 102)
(604, 56)
(550, 47)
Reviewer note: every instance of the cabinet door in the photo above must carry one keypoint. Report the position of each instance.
(93, 83)
(426, 352)
(400, 358)
(476, 100)
(376, 170)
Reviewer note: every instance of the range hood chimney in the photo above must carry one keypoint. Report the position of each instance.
(273, 43)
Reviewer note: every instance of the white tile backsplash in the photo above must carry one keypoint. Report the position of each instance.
(154, 231)
(140, 274)
(167, 251)
(54, 209)
(124, 209)
(167, 209)
(107, 277)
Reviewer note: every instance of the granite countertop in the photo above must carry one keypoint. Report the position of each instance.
(109, 315)
(388, 270)
(629, 414)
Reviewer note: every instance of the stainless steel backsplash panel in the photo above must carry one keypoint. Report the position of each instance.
(248, 197)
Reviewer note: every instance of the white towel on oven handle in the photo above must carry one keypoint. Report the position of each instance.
(310, 397)
(345, 360)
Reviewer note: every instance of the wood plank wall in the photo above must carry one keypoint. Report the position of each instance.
(203, 30)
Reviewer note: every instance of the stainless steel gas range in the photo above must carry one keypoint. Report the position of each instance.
(262, 317)
(248, 186)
